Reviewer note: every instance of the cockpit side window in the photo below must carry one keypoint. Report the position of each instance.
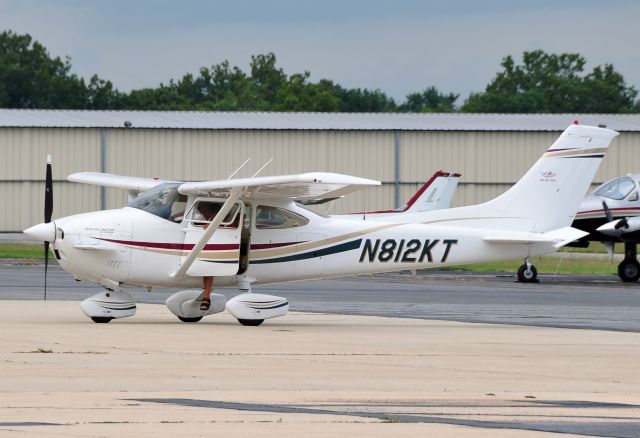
(163, 201)
(616, 189)
(275, 218)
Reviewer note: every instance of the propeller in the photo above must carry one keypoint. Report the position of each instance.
(609, 246)
(620, 223)
(607, 212)
(48, 211)
(47, 231)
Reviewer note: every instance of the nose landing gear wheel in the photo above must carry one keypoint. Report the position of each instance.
(526, 274)
(101, 319)
(629, 270)
(251, 322)
(196, 319)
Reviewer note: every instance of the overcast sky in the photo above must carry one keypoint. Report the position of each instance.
(395, 46)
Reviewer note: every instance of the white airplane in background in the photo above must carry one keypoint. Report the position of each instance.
(261, 235)
(435, 194)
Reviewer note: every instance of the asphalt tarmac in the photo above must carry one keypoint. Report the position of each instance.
(563, 301)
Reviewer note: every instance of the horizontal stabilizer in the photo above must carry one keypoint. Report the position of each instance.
(557, 238)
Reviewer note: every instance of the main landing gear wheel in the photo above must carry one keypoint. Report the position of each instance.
(251, 322)
(196, 319)
(527, 274)
(629, 270)
(101, 319)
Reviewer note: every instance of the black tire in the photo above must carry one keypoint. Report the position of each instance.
(527, 276)
(196, 319)
(251, 322)
(101, 319)
(629, 270)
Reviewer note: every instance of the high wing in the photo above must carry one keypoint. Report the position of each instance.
(132, 183)
(304, 186)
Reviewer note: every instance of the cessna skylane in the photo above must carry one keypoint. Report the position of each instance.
(260, 234)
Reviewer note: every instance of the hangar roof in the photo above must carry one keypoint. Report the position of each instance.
(310, 121)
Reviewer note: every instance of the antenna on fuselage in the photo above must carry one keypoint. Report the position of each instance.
(238, 169)
(262, 168)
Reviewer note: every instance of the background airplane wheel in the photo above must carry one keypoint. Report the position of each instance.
(101, 319)
(251, 322)
(196, 319)
(527, 275)
(629, 270)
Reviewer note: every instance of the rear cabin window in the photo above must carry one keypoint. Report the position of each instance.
(275, 218)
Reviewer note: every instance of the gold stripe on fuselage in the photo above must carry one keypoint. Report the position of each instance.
(261, 254)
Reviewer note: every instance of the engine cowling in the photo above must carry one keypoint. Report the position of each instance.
(251, 306)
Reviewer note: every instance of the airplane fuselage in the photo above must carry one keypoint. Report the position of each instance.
(132, 247)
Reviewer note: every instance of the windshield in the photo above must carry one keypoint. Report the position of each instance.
(616, 189)
(163, 201)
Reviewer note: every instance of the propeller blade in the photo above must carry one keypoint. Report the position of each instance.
(607, 212)
(46, 267)
(48, 192)
(48, 211)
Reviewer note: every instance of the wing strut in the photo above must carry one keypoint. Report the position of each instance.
(234, 194)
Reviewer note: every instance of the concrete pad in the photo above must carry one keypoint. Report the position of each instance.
(311, 374)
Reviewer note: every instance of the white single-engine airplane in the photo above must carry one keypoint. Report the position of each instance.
(259, 234)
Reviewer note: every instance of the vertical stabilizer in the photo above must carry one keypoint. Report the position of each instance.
(550, 192)
(436, 194)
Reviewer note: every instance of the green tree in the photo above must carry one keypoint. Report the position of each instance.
(163, 98)
(31, 78)
(363, 100)
(429, 101)
(102, 95)
(266, 87)
(551, 83)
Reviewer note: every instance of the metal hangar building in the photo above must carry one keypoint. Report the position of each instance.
(402, 150)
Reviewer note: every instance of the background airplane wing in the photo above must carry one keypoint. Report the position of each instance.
(304, 186)
(116, 181)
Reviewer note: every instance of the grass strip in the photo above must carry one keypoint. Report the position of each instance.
(546, 265)
(19, 250)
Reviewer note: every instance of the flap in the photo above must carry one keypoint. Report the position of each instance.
(315, 185)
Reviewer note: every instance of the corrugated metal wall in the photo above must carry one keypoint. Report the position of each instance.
(489, 161)
(22, 171)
